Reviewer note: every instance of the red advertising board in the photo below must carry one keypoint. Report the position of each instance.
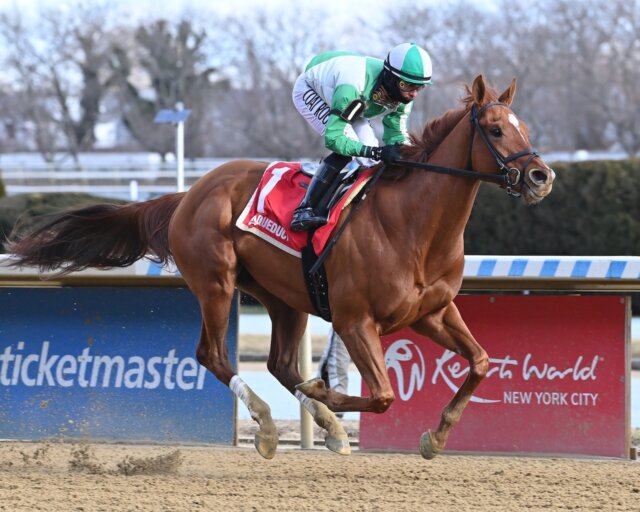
(558, 379)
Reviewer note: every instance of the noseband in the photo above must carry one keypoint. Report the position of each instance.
(511, 175)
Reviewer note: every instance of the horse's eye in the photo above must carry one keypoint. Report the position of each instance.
(495, 132)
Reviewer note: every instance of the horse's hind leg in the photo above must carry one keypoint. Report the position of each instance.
(209, 266)
(287, 328)
(449, 330)
(283, 363)
(266, 438)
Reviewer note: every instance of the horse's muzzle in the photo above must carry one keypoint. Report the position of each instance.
(538, 183)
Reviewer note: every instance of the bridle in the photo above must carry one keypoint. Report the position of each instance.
(512, 175)
(507, 177)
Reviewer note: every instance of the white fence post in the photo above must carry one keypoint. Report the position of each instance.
(306, 421)
(180, 150)
(134, 194)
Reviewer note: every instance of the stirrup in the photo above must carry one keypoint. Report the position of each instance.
(305, 218)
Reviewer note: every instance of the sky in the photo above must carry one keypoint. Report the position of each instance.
(175, 7)
(344, 13)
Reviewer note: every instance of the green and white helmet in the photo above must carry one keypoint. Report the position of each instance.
(410, 63)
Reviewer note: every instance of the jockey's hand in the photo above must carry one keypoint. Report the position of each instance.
(388, 154)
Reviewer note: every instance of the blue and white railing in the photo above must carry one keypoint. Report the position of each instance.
(548, 267)
(620, 273)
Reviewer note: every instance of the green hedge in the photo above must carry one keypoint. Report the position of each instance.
(593, 210)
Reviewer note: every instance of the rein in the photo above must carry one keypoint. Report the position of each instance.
(500, 179)
(508, 178)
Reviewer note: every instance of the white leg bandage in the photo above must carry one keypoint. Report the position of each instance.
(306, 402)
(240, 388)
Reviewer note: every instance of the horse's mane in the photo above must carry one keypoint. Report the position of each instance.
(434, 132)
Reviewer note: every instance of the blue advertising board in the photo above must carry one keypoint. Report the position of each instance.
(109, 363)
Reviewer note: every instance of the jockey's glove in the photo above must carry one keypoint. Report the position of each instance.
(387, 154)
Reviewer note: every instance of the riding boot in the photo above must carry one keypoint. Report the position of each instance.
(305, 216)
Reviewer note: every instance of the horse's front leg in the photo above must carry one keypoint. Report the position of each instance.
(363, 343)
(449, 330)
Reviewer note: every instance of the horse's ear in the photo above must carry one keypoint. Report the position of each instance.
(478, 91)
(507, 96)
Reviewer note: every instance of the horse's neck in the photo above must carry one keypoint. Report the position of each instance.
(436, 207)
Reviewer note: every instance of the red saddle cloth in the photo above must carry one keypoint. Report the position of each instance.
(270, 209)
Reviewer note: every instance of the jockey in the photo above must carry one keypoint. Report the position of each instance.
(338, 93)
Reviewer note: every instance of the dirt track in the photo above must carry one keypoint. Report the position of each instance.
(61, 477)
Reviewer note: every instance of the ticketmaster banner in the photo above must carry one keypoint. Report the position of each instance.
(109, 364)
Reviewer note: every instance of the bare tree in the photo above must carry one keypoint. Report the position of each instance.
(158, 66)
(578, 59)
(28, 92)
(455, 35)
(577, 64)
(266, 54)
(622, 68)
(59, 65)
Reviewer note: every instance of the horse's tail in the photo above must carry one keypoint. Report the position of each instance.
(98, 236)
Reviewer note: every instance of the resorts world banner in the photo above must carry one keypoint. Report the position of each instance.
(109, 363)
(557, 381)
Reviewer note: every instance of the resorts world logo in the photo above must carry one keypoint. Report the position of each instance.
(407, 361)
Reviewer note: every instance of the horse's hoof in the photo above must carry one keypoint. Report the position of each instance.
(266, 444)
(310, 387)
(427, 448)
(338, 445)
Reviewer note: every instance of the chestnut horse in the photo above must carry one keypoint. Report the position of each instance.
(398, 263)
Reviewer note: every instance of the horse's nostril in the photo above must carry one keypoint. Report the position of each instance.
(538, 176)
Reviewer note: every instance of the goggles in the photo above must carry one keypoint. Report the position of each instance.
(409, 87)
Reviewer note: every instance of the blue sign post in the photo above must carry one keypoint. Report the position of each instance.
(109, 363)
(176, 117)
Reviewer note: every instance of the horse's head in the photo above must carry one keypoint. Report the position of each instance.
(500, 143)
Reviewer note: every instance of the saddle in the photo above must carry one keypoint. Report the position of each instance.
(268, 215)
